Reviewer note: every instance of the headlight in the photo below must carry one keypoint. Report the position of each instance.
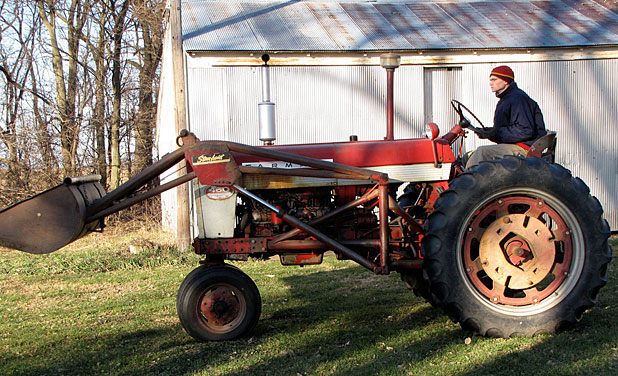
(432, 131)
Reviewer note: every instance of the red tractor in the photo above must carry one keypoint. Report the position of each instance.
(511, 247)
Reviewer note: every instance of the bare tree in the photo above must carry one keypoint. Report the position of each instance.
(97, 111)
(16, 68)
(118, 30)
(73, 18)
(148, 16)
(99, 106)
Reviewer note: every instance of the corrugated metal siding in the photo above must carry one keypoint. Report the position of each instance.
(210, 25)
(166, 132)
(313, 104)
(442, 85)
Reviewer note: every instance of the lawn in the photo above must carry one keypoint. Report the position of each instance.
(106, 305)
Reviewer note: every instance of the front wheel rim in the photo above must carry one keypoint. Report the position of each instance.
(521, 252)
(221, 308)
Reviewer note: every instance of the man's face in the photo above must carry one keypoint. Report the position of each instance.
(497, 84)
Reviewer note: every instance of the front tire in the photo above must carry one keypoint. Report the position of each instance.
(516, 247)
(218, 303)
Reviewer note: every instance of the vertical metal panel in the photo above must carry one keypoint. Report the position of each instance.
(207, 101)
(313, 104)
(579, 100)
(409, 99)
(242, 93)
(442, 85)
(166, 131)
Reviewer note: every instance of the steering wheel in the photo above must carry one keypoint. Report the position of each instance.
(465, 123)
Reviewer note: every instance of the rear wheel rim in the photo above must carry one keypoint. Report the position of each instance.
(521, 252)
(221, 308)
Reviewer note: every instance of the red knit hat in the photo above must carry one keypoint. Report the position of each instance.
(504, 73)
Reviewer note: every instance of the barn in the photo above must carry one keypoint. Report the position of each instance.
(327, 83)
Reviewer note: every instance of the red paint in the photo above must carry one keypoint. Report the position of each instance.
(366, 153)
(213, 164)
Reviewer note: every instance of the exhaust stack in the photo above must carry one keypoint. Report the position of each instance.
(390, 62)
(266, 108)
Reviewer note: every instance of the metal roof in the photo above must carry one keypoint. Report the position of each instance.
(339, 26)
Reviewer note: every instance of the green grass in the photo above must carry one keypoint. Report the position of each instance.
(97, 308)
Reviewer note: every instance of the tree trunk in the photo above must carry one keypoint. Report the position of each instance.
(66, 93)
(150, 23)
(117, 95)
(49, 20)
(99, 107)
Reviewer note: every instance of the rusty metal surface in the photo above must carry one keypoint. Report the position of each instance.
(319, 235)
(301, 259)
(517, 250)
(396, 25)
(226, 246)
(524, 264)
(50, 220)
(370, 195)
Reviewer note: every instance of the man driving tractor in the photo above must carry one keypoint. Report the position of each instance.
(518, 120)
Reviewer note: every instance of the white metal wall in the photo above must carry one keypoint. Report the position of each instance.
(166, 131)
(441, 85)
(313, 104)
(579, 100)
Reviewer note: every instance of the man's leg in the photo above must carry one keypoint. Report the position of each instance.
(489, 152)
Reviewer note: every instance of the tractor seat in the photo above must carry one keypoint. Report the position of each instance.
(544, 147)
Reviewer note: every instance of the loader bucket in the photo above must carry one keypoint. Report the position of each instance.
(52, 219)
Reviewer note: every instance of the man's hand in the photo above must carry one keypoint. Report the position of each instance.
(488, 132)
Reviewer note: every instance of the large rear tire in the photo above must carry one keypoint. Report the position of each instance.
(218, 303)
(516, 247)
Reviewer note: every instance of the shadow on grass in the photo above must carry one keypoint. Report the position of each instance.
(589, 349)
(342, 322)
(324, 317)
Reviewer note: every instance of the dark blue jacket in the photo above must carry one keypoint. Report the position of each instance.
(518, 118)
